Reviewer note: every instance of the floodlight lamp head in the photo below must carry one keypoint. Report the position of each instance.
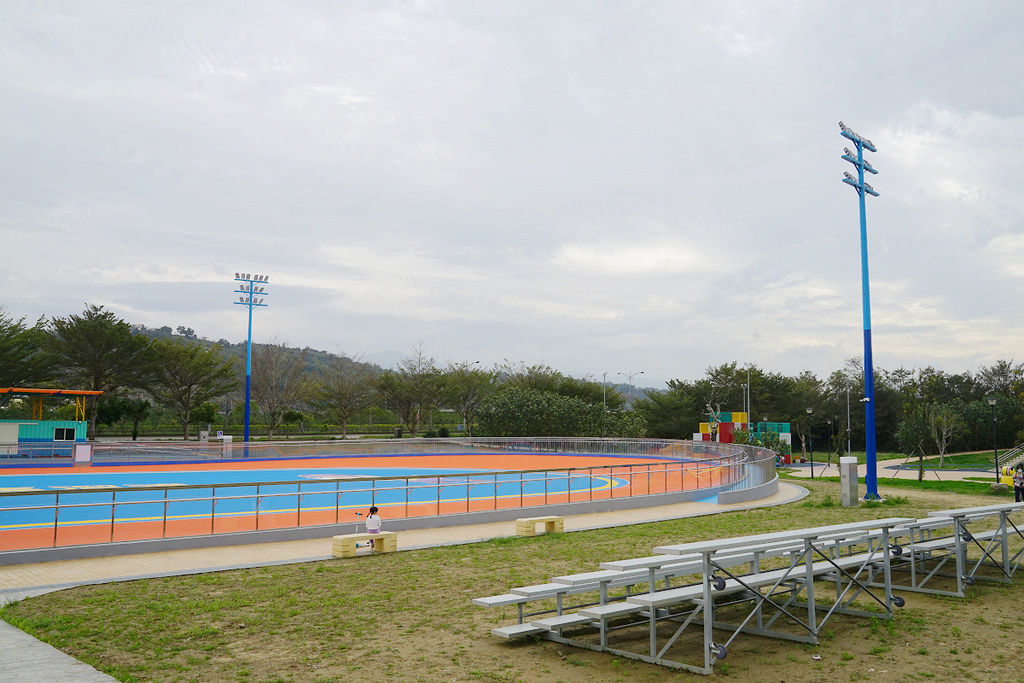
(849, 176)
(236, 276)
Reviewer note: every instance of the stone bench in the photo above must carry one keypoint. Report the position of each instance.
(345, 544)
(527, 526)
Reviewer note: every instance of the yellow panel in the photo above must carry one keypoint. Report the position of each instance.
(705, 428)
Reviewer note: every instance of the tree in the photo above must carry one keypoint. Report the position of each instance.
(189, 374)
(136, 410)
(539, 377)
(944, 420)
(97, 349)
(22, 361)
(464, 387)
(412, 390)
(345, 387)
(278, 381)
(515, 412)
(671, 414)
(913, 431)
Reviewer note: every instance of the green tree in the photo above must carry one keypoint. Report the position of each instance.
(412, 390)
(188, 374)
(343, 388)
(912, 433)
(537, 377)
(464, 387)
(672, 414)
(22, 361)
(279, 381)
(945, 421)
(98, 350)
(516, 412)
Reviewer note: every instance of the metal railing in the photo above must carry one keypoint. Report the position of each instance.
(51, 518)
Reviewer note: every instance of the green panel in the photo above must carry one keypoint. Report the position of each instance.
(42, 431)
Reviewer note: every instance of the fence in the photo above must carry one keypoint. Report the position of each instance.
(53, 518)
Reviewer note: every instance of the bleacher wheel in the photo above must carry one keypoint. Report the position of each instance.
(969, 580)
(896, 550)
(718, 582)
(967, 536)
(719, 651)
(898, 600)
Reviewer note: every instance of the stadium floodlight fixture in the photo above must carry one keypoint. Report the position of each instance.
(248, 299)
(863, 189)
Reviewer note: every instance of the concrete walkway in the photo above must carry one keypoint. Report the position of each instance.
(888, 469)
(26, 660)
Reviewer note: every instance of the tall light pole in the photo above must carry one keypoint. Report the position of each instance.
(810, 433)
(995, 453)
(251, 289)
(629, 376)
(857, 159)
(604, 401)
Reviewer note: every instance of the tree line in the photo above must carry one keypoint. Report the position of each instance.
(923, 411)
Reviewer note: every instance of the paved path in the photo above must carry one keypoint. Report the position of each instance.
(887, 469)
(26, 660)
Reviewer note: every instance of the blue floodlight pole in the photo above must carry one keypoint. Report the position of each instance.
(857, 159)
(249, 291)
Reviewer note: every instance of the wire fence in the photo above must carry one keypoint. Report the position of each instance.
(104, 514)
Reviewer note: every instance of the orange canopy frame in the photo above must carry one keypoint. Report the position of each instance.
(38, 394)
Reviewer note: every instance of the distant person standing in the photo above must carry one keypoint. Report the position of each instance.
(1018, 483)
(374, 522)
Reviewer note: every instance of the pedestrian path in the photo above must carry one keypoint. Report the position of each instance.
(26, 660)
(888, 469)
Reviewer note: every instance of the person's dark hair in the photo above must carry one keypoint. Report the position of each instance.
(373, 510)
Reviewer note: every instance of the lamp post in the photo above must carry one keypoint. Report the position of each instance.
(810, 433)
(249, 287)
(828, 461)
(995, 453)
(629, 376)
(604, 402)
(857, 182)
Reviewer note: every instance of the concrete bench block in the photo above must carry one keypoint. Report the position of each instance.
(527, 526)
(344, 545)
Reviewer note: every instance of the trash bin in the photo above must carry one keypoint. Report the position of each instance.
(398, 432)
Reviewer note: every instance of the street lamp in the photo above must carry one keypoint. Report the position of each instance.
(604, 402)
(629, 376)
(251, 288)
(995, 454)
(857, 182)
(828, 461)
(810, 433)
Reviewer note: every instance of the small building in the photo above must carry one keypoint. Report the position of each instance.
(40, 437)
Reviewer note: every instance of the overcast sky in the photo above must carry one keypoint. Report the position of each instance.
(603, 187)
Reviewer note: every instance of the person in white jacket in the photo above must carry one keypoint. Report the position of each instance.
(373, 523)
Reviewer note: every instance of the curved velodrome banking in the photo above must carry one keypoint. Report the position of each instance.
(177, 498)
